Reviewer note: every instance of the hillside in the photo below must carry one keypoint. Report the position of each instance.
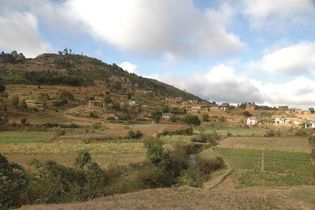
(78, 70)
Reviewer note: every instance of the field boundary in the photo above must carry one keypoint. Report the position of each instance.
(220, 177)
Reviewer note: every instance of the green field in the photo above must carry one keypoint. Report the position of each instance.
(268, 168)
(231, 131)
(17, 137)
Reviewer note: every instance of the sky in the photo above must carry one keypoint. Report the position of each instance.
(232, 51)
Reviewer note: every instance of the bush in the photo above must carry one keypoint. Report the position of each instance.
(312, 140)
(14, 102)
(156, 116)
(272, 133)
(190, 177)
(22, 105)
(154, 150)
(24, 121)
(13, 184)
(207, 138)
(206, 166)
(83, 158)
(93, 114)
(247, 114)
(192, 120)
(66, 96)
(60, 133)
(167, 165)
(134, 134)
(205, 117)
(43, 97)
(52, 182)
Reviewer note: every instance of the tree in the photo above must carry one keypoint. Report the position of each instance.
(312, 110)
(14, 102)
(2, 88)
(205, 117)
(192, 120)
(154, 150)
(247, 114)
(22, 104)
(156, 115)
(13, 183)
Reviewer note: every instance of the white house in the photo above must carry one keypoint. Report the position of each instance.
(280, 120)
(310, 124)
(251, 121)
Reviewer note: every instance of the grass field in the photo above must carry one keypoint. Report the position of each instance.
(234, 131)
(105, 154)
(293, 144)
(268, 168)
(17, 137)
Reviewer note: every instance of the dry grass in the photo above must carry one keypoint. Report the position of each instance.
(105, 154)
(292, 144)
(186, 198)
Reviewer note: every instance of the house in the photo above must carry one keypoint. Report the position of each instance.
(251, 121)
(195, 109)
(131, 103)
(310, 124)
(280, 120)
(214, 108)
(224, 106)
(96, 103)
(167, 116)
(176, 100)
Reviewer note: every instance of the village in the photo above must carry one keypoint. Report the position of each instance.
(251, 114)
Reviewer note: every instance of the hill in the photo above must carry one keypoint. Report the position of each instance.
(78, 70)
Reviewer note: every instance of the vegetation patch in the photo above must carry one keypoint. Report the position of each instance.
(268, 168)
(18, 137)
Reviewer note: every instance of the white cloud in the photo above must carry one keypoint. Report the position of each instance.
(131, 68)
(298, 92)
(222, 84)
(278, 12)
(295, 59)
(219, 84)
(19, 31)
(164, 27)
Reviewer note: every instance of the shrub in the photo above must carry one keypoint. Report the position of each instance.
(156, 116)
(207, 138)
(205, 117)
(135, 134)
(192, 120)
(272, 133)
(83, 158)
(65, 97)
(312, 140)
(97, 125)
(154, 150)
(60, 133)
(13, 183)
(14, 102)
(52, 182)
(190, 177)
(247, 114)
(43, 97)
(206, 166)
(22, 104)
(24, 121)
(93, 114)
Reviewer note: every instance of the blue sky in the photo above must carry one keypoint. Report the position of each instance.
(224, 51)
